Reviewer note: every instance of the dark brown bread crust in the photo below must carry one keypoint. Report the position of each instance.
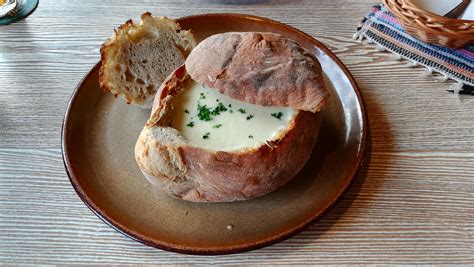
(259, 68)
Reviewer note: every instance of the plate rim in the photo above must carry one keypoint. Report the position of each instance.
(229, 249)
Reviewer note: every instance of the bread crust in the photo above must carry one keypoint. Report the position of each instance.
(114, 52)
(196, 174)
(259, 68)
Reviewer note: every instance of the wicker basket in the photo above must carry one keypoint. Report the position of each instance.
(432, 28)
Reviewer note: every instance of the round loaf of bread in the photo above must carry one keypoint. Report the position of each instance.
(261, 71)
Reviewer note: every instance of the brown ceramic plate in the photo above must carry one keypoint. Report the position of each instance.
(98, 139)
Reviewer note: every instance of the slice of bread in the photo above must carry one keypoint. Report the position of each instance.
(138, 57)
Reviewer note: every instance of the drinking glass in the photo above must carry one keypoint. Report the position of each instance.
(7, 6)
(14, 10)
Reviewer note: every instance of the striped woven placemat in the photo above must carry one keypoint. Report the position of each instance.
(382, 28)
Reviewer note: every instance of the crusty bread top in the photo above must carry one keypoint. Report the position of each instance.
(259, 68)
(138, 57)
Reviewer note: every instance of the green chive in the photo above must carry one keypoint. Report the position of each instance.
(277, 115)
(220, 108)
(204, 113)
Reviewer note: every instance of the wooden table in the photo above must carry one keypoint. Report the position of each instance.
(413, 201)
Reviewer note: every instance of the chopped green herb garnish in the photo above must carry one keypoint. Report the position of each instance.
(206, 135)
(220, 108)
(229, 105)
(250, 136)
(217, 126)
(243, 111)
(202, 96)
(277, 115)
(231, 111)
(204, 113)
(249, 117)
(217, 100)
(191, 124)
(186, 111)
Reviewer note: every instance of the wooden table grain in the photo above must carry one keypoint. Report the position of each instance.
(413, 201)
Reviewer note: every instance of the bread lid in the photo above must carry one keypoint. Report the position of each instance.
(259, 68)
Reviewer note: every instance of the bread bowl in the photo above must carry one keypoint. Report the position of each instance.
(281, 87)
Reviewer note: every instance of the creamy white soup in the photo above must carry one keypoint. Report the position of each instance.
(209, 119)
